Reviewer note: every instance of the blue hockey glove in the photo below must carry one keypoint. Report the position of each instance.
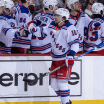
(26, 32)
(17, 35)
(37, 22)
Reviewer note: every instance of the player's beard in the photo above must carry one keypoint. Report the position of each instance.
(56, 22)
(77, 11)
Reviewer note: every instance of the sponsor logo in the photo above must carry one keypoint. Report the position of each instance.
(6, 79)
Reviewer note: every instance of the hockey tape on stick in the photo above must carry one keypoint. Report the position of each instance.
(47, 73)
(82, 12)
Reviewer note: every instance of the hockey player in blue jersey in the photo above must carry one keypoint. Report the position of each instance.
(74, 8)
(43, 45)
(65, 44)
(95, 32)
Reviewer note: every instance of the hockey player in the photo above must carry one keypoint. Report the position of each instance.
(43, 45)
(65, 44)
(95, 35)
(23, 16)
(9, 7)
(74, 8)
(7, 33)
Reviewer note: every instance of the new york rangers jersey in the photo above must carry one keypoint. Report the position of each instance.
(42, 45)
(22, 16)
(63, 39)
(94, 37)
(83, 22)
(7, 32)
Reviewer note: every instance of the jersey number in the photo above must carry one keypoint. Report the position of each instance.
(74, 32)
(94, 36)
(22, 20)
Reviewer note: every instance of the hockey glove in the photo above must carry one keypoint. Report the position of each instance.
(26, 33)
(31, 26)
(17, 35)
(69, 61)
(37, 22)
(21, 30)
(70, 58)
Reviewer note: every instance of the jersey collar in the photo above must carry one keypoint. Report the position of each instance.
(75, 17)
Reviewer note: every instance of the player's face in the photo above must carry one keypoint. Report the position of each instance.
(57, 19)
(7, 10)
(77, 6)
(54, 9)
(1, 9)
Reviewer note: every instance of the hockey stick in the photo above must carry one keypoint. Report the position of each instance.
(47, 73)
(82, 12)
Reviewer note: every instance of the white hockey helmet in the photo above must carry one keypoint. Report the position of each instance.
(46, 3)
(9, 4)
(71, 2)
(97, 7)
(62, 12)
(2, 3)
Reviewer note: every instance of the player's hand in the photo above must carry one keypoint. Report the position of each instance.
(26, 32)
(69, 61)
(31, 26)
(37, 22)
(21, 30)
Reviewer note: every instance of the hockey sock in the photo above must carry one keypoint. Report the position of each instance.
(65, 92)
(54, 85)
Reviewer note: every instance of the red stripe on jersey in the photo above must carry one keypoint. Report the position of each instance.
(42, 47)
(4, 31)
(81, 44)
(19, 9)
(64, 27)
(4, 18)
(50, 16)
(74, 42)
(21, 41)
(52, 26)
(100, 20)
(90, 45)
(5, 48)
